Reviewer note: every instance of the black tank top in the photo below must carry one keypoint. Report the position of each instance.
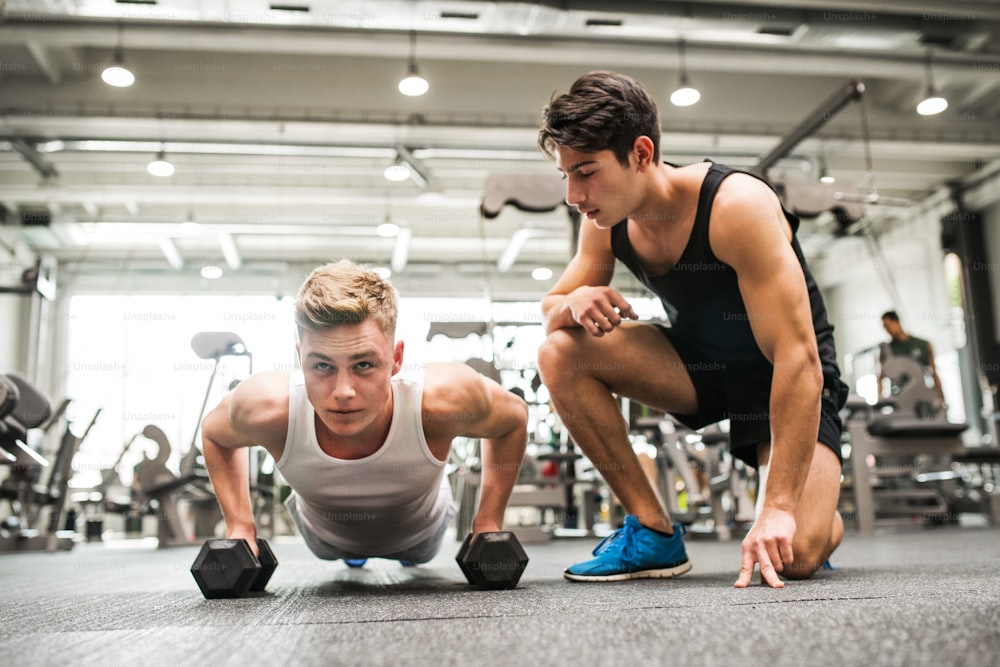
(702, 298)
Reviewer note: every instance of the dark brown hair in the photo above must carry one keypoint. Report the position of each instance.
(601, 111)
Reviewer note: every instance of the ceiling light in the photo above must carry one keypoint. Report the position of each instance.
(397, 172)
(53, 146)
(383, 272)
(932, 103)
(541, 273)
(189, 226)
(824, 175)
(413, 85)
(211, 272)
(116, 74)
(160, 166)
(387, 229)
(686, 94)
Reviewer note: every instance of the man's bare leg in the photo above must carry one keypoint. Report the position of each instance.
(819, 526)
(584, 374)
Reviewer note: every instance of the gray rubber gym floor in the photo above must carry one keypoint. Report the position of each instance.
(917, 597)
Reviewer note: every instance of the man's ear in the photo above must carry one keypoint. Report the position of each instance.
(397, 357)
(642, 149)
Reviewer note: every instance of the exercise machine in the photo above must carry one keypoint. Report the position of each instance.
(212, 346)
(24, 413)
(701, 485)
(159, 489)
(893, 442)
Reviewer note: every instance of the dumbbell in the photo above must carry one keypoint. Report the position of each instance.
(492, 561)
(228, 568)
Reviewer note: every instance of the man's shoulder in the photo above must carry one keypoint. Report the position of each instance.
(447, 376)
(450, 387)
(739, 189)
(911, 342)
(267, 383)
(262, 399)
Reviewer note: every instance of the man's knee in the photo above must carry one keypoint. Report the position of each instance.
(811, 551)
(556, 355)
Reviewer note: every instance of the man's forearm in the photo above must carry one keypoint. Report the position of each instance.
(795, 414)
(502, 459)
(555, 314)
(229, 471)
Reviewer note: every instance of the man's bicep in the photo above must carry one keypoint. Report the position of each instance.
(777, 302)
(507, 412)
(490, 411)
(241, 419)
(218, 425)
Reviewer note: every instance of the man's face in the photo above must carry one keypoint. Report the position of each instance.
(892, 327)
(597, 184)
(348, 369)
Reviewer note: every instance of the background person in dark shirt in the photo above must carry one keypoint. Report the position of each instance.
(902, 344)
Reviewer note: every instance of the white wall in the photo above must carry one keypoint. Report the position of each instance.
(859, 284)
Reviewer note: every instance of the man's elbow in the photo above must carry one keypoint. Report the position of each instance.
(806, 369)
(813, 372)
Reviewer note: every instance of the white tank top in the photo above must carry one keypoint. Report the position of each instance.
(378, 505)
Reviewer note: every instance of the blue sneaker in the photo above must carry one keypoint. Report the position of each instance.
(355, 562)
(407, 563)
(634, 552)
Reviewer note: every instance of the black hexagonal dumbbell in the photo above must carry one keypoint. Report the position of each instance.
(492, 561)
(228, 568)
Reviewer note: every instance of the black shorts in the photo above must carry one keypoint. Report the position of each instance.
(742, 394)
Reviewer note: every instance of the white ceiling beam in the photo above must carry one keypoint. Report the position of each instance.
(230, 251)
(513, 249)
(171, 253)
(400, 253)
(46, 61)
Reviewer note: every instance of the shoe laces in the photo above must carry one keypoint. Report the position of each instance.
(623, 540)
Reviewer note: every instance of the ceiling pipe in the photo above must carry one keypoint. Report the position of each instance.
(852, 92)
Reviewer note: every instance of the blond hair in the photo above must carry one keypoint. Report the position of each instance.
(345, 293)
